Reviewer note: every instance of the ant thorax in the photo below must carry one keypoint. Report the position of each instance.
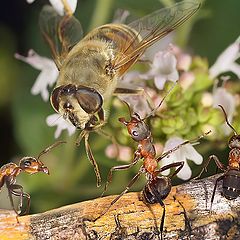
(8, 169)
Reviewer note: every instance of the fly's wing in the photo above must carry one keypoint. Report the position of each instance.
(60, 32)
(153, 27)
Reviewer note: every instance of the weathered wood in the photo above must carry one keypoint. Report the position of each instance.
(188, 201)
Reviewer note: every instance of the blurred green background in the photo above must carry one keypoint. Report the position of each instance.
(23, 128)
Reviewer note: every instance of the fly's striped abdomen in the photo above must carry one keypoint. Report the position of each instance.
(121, 38)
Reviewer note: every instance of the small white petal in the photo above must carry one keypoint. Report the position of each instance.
(159, 82)
(167, 160)
(173, 76)
(59, 7)
(163, 68)
(226, 59)
(48, 75)
(185, 173)
(61, 124)
(226, 99)
(182, 154)
(235, 68)
(36, 60)
(192, 154)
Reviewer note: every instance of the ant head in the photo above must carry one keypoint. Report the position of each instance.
(234, 141)
(32, 165)
(137, 128)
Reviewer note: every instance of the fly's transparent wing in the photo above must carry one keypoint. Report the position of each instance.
(60, 32)
(155, 26)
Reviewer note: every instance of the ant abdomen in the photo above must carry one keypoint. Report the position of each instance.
(231, 187)
(161, 186)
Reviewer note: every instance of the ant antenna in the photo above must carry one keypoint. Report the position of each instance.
(152, 113)
(48, 149)
(226, 119)
(128, 106)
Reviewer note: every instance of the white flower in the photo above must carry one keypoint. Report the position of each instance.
(48, 75)
(226, 61)
(184, 153)
(59, 7)
(163, 68)
(57, 120)
(131, 80)
(226, 99)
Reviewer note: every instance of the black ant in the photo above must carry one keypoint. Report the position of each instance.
(157, 187)
(231, 173)
(10, 171)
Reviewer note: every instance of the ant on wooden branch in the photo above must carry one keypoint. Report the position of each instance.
(231, 172)
(157, 187)
(10, 171)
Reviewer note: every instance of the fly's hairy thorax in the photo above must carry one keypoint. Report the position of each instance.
(88, 61)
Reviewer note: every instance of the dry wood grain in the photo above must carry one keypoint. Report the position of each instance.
(187, 217)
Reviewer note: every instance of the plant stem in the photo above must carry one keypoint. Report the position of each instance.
(101, 13)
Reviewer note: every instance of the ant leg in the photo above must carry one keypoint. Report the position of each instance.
(49, 148)
(214, 190)
(120, 231)
(92, 160)
(179, 166)
(217, 162)
(121, 167)
(165, 154)
(17, 190)
(134, 179)
(160, 201)
(187, 222)
(10, 193)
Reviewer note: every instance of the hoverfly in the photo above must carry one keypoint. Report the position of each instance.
(89, 69)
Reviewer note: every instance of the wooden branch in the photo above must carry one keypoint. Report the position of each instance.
(186, 215)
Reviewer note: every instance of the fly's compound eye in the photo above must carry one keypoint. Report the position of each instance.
(59, 92)
(89, 99)
(55, 98)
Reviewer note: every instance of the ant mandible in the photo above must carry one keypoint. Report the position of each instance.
(10, 171)
(157, 187)
(231, 172)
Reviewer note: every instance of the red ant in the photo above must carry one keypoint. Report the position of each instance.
(231, 173)
(10, 171)
(157, 187)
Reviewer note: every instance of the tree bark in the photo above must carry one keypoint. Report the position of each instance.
(187, 217)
